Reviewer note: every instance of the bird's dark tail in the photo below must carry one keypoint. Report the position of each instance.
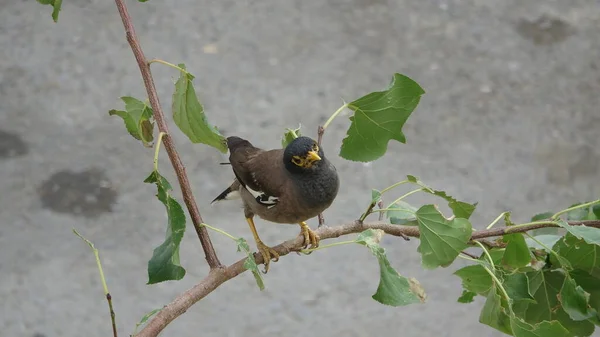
(230, 193)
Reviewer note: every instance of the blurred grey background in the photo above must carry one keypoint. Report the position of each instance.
(510, 119)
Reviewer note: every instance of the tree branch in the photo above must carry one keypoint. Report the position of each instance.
(188, 197)
(216, 277)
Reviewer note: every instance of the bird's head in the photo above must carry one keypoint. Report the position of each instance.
(302, 154)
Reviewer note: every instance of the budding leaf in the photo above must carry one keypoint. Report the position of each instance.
(250, 263)
(137, 117)
(164, 264)
(189, 114)
(375, 196)
(441, 239)
(290, 135)
(56, 4)
(393, 289)
(460, 209)
(378, 118)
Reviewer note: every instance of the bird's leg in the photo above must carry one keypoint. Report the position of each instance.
(310, 237)
(267, 252)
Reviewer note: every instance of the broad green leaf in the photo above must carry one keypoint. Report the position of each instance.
(521, 328)
(378, 118)
(475, 279)
(137, 117)
(393, 289)
(441, 239)
(590, 284)
(467, 297)
(575, 301)
(580, 254)
(544, 286)
(56, 4)
(164, 264)
(460, 209)
(401, 212)
(517, 287)
(517, 253)
(591, 235)
(189, 114)
(250, 263)
(494, 313)
(289, 136)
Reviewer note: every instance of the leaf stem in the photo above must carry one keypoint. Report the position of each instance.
(103, 279)
(306, 251)
(406, 195)
(496, 220)
(487, 254)
(394, 186)
(499, 284)
(337, 112)
(555, 216)
(168, 64)
(157, 149)
(220, 231)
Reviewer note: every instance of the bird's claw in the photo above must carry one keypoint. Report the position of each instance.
(310, 237)
(268, 254)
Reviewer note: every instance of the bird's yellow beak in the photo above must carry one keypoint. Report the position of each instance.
(313, 156)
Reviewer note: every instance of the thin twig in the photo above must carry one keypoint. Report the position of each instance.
(188, 197)
(219, 276)
(470, 255)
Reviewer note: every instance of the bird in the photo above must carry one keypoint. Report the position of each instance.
(286, 185)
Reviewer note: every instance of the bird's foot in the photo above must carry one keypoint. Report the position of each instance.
(268, 254)
(310, 237)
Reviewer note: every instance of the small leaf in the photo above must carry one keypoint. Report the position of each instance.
(250, 263)
(137, 117)
(494, 314)
(467, 297)
(145, 319)
(591, 235)
(378, 118)
(393, 289)
(401, 213)
(164, 264)
(375, 196)
(290, 135)
(517, 253)
(460, 209)
(189, 114)
(56, 4)
(575, 301)
(441, 239)
(521, 328)
(475, 279)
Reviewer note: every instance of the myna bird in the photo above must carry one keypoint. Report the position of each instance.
(288, 185)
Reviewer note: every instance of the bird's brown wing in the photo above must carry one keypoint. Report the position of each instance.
(260, 172)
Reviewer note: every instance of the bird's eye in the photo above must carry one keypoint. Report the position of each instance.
(315, 148)
(298, 161)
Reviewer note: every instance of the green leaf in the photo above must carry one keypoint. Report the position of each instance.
(580, 254)
(590, 284)
(475, 279)
(378, 118)
(467, 297)
(521, 328)
(517, 287)
(517, 253)
(164, 264)
(393, 289)
(542, 216)
(137, 117)
(145, 319)
(591, 235)
(401, 212)
(494, 314)
(189, 114)
(375, 196)
(290, 135)
(250, 263)
(56, 4)
(575, 301)
(596, 211)
(460, 209)
(441, 239)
